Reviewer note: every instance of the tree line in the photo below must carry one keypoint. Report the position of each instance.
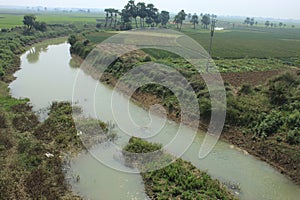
(141, 15)
(30, 22)
(138, 14)
(251, 21)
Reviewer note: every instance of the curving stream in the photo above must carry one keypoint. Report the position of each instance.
(46, 76)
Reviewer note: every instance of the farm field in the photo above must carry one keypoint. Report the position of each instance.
(11, 19)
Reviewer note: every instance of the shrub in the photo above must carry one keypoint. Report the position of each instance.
(293, 136)
(246, 89)
(269, 123)
(2, 120)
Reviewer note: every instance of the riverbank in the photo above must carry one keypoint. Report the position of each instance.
(32, 152)
(273, 149)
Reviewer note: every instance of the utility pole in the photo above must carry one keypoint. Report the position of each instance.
(212, 31)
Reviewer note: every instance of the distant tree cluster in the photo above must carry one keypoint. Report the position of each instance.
(250, 21)
(274, 25)
(30, 22)
(146, 13)
(204, 19)
(141, 14)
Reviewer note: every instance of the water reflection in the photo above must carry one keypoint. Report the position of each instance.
(33, 54)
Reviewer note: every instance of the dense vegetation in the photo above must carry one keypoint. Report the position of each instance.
(14, 41)
(264, 113)
(26, 170)
(179, 180)
(32, 152)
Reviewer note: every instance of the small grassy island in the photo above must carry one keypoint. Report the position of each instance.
(179, 180)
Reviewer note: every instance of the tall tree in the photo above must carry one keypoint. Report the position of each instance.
(195, 20)
(111, 12)
(177, 21)
(247, 21)
(125, 19)
(151, 14)
(252, 21)
(212, 31)
(205, 21)
(189, 16)
(157, 18)
(267, 23)
(142, 13)
(165, 17)
(106, 16)
(116, 18)
(29, 21)
(133, 10)
(181, 15)
(280, 24)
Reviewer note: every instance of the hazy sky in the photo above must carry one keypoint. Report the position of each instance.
(259, 8)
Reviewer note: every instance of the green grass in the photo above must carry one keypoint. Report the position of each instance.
(178, 180)
(8, 102)
(249, 64)
(10, 20)
(283, 44)
(259, 43)
(98, 37)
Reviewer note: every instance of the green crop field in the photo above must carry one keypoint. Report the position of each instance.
(10, 19)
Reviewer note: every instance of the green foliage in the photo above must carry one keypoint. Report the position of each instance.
(255, 43)
(246, 89)
(281, 88)
(2, 120)
(80, 46)
(293, 136)
(8, 102)
(14, 42)
(268, 124)
(137, 145)
(40, 26)
(29, 21)
(179, 180)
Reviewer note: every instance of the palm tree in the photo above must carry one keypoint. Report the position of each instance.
(165, 17)
(157, 18)
(107, 16)
(125, 18)
(189, 16)
(212, 31)
(111, 12)
(116, 18)
(133, 10)
(182, 15)
(247, 21)
(205, 21)
(195, 20)
(142, 13)
(151, 14)
(176, 20)
(267, 23)
(252, 21)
